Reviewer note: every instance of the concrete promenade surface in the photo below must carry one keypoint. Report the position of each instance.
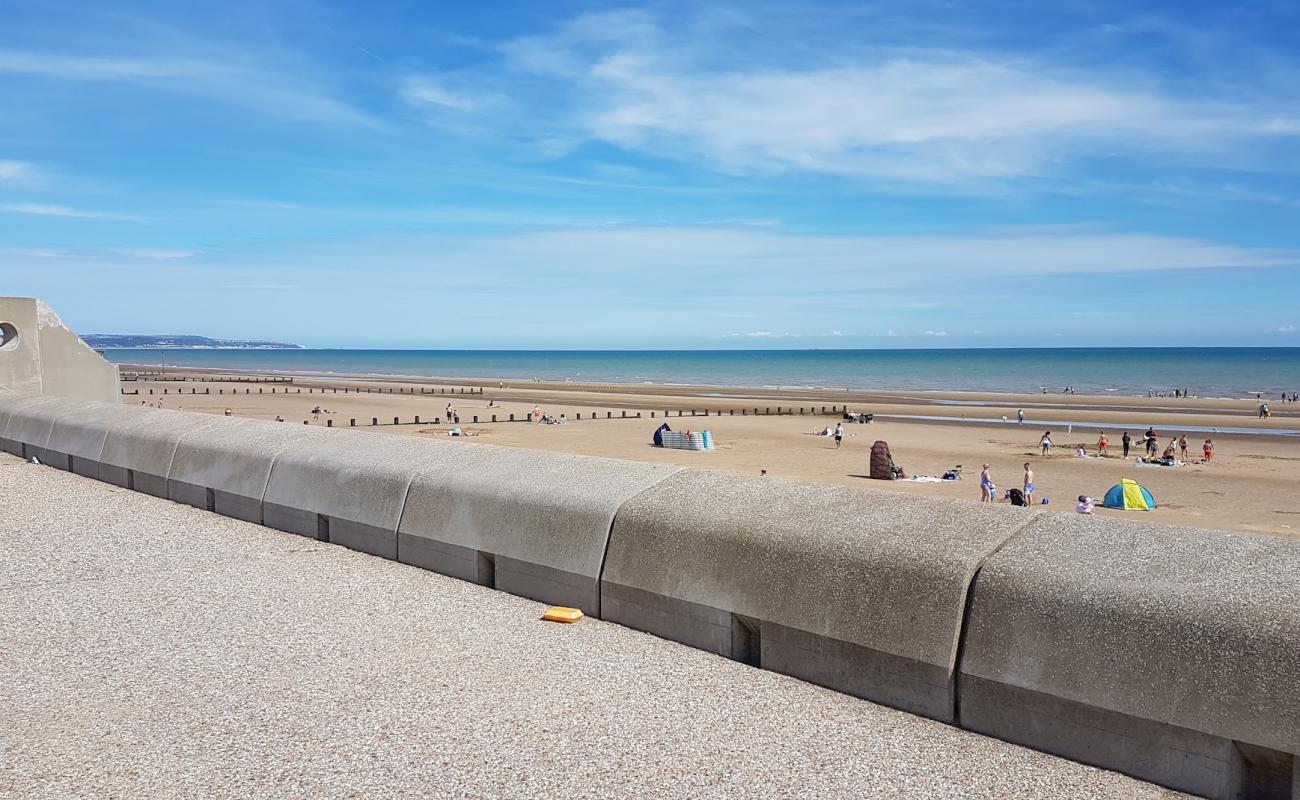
(150, 649)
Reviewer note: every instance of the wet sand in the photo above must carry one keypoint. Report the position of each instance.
(1252, 485)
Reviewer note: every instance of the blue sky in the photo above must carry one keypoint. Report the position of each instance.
(656, 175)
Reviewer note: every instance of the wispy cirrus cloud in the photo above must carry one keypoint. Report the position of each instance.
(47, 210)
(155, 253)
(14, 170)
(229, 76)
(910, 115)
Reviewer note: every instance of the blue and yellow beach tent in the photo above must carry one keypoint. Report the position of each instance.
(1129, 496)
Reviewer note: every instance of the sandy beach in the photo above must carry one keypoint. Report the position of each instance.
(1251, 486)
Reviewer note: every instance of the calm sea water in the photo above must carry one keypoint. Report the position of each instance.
(1216, 372)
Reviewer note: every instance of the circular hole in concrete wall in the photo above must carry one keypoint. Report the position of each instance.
(8, 336)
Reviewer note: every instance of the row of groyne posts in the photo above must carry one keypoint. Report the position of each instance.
(160, 377)
(468, 391)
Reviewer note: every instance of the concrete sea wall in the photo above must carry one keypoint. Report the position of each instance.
(1169, 654)
(39, 355)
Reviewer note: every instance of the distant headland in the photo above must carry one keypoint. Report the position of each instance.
(108, 341)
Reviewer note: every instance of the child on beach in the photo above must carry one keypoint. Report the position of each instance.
(1208, 450)
(1045, 443)
(839, 435)
(1029, 485)
(1182, 445)
(1102, 441)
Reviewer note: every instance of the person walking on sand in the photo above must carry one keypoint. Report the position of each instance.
(1020, 417)
(986, 485)
(1182, 446)
(1029, 485)
(1046, 442)
(839, 435)
(1102, 442)
(1126, 440)
(1208, 450)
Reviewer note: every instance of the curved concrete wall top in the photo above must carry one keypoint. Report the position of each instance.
(1194, 628)
(83, 434)
(33, 423)
(532, 523)
(8, 406)
(353, 475)
(881, 571)
(236, 456)
(28, 420)
(551, 509)
(147, 443)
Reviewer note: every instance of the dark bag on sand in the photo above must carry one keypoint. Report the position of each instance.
(1017, 497)
(881, 462)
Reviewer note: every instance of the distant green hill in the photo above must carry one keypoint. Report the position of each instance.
(110, 341)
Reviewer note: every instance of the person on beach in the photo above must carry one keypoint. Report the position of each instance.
(987, 487)
(1182, 446)
(1125, 441)
(1208, 450)
(1020, 416)
(1152, 442)
(1029, 485)
(1045, 443)
(839, 435)
(1102, 443)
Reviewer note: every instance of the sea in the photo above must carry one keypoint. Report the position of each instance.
(1202, 371)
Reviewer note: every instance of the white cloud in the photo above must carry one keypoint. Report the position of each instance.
(1287, 329)
(14, 170)
(763, 335)
(232, 77)
(924, 115)
(261, 287)
(426, 90)
(155, 253)
(891, 334)
(935, 333)
(44, 210)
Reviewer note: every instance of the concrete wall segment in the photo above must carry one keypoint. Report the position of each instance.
(82, 435)
(44, 357)
(32, 424)
(1190, 628)
(358, 480)
(885, 574)
(144, 446)
(552, 511)
(233, 459)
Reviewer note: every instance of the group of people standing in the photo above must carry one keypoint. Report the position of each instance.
(989, 489)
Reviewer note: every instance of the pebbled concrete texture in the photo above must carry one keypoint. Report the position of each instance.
(145, 445)
(875, 581)
(155, 650)
(233, 458)
(1088, 635)
(543, 517)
